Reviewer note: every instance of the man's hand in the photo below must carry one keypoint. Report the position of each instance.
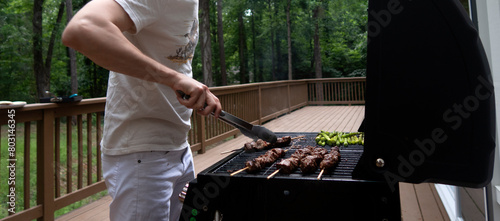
(197, 96)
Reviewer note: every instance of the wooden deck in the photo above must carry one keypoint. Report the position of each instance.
(418, 201)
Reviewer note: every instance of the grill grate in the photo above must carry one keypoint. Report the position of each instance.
(349, 158)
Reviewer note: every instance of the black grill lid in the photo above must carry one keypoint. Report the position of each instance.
(430, 113)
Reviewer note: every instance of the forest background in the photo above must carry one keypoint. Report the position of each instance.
(241, 41)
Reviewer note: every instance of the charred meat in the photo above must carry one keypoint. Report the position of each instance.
(331, 159)
(260, 144)
(309, 164)
(264, 160)
(288, 165)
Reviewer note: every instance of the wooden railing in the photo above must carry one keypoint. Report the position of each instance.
(337, 91)
(57, 185)
(65, 151)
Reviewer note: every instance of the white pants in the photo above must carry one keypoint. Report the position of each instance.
(145, 185)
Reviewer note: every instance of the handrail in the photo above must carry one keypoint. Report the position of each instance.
(67, 175)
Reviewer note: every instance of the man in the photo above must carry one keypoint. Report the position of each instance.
(147, 45)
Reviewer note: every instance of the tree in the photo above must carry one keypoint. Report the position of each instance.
(289, 38)
(42, 80)
(220, 34)
(256, 75)
(259, 43)
(317, 52)
(271, 28)
(242, 49)
(42, 70)
(206, 46)
(317, 47)
(71, 52)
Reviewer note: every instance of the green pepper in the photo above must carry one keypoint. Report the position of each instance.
(329, 142)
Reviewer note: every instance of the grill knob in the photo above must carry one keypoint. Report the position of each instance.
(380, 162)
(286, 192)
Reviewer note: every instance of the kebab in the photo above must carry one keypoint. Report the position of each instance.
(329, 161)
(260, 144)
(262, 161)
(307, 159)
(310, 163)
(263, 145)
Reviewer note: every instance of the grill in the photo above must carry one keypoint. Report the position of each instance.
(349, 158)
(296, 196)
(429, 91)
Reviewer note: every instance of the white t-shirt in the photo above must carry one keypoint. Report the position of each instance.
(145, 116)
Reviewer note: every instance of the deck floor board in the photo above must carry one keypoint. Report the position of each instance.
(418, 201)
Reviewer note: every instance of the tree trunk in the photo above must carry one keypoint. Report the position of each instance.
(42, 81)
(42, 71)
(317, 49)
(289, 27)
(242, 49)
(220, 35)
(278, 64)
(206, 45)
(272, 42)
(254, 54)
(50, 50)
(71, 52)
(317, 54)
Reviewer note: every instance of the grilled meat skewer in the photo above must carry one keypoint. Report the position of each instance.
(263, 145)
(330, 160)
(310, 163)
(288, 165)
(264, 160)
(307, 159)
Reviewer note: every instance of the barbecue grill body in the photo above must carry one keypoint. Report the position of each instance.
(296, 196)
(246, 198)
(430, 113)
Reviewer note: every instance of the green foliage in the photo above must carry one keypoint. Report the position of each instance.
(15, 51)
(342, 39)
(344, 48)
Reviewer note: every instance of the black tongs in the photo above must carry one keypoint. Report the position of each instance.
(248, 129)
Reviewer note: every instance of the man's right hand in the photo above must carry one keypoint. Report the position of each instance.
(198, 97)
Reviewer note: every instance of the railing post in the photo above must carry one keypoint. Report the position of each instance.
(201, 132)
(45, 164)
(319, 91)
(89, 149)
(260, 105)
(27, 161)
(289, 97)
(98, 145)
